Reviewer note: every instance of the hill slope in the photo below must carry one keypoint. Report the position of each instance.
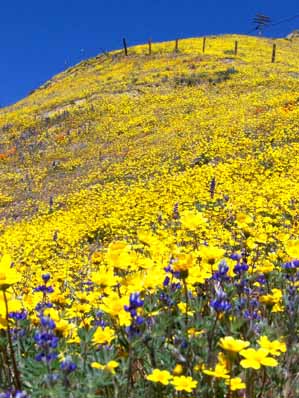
(109, 144)
(158, 196)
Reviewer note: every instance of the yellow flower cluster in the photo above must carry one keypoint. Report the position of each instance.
(180, 383)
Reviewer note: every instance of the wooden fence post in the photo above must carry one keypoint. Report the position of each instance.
(273, 53)
(176, 48)
(236, 47)
(149, 46)
(204, 45)
(125, 47)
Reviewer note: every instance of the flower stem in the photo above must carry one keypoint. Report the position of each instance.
(187, 301)
(12, 353)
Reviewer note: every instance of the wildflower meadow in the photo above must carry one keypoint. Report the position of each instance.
(149, 226)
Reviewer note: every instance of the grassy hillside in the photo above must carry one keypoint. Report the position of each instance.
(127, 162)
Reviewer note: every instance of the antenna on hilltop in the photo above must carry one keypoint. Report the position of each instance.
(261, 21)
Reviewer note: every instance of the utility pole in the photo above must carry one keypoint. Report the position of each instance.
(261, 21)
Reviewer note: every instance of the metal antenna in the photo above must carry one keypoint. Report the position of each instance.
(261, 21)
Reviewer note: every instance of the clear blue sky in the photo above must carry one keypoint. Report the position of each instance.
(40, 38)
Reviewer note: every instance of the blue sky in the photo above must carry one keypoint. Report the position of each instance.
(42, 38)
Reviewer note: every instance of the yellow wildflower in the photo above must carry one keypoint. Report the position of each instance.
(183, 307)
(183, 261)
(160, 376)
(211, 254)
(235, 384)
(274, 347)
(255, 358)
(178, 369)
(192, 220)
(108, 367)
(192, 332)
(230, 344)
(184, 383)
(220, 371)
(275, 299)
(103, 335)
(8, 274)
(292, 248)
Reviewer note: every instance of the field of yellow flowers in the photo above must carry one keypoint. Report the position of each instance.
(149, 226)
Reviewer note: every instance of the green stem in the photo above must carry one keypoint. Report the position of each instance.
(6, 368)
(210, 339)
(17, 379)
(187, 302)
(249, 384)
(263, 383)
(129, 374)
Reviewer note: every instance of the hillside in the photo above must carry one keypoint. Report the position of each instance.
(101, 137)
(117, 149)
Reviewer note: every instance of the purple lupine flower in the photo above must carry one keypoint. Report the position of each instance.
(212, 187)
(175, 212)
(68, 366)
(46, 277)
(221, 274)
(240, 267)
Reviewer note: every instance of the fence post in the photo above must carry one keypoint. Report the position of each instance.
(273, 53)
(149, 46)
(125, 46)
(176, 48)
(204, 45)
(236, 47)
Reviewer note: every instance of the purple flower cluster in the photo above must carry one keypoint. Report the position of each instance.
(220, 303)
(291, 264)
(44, 288)
(135, 303)
(14, 394)
(18, 315)
(241, 266)
(99, 321)
(212, 187)
(68, 366)
(221, 274)
(46, 340)
(175, 212)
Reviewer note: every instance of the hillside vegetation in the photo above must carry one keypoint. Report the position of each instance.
(140, 184)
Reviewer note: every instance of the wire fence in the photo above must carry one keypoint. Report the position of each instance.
(204, 43)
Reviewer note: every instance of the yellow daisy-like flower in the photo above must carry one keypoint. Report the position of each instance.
(274, 347)
(178, 369)
(8, 275)
(103, 336)
(220, 372)
(255, 358)
(292, 248)
(108, 367)
(274, 299)
(184, 383)
(221, 369)
(192, 332)
(183, 261)
(12, 303)
(211, 254)
(192, 220)
(235, 384)
(183, 307)
(230, 344)
(114, 305)
(160, 376)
